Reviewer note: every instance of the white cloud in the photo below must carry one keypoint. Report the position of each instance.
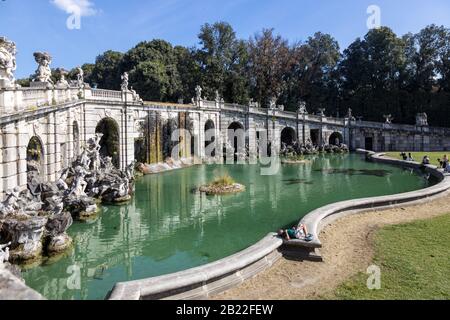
(81, 7)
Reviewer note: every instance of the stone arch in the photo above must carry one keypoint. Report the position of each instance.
(288, 136)
(236, 136)
(35, 159)
(336, 139)
(210, 140)
(110, 142)
(169, 127)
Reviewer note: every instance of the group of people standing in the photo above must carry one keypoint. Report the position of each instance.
(444, 163)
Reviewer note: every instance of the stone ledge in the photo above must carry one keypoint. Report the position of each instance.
(11, 288)
(203, 281)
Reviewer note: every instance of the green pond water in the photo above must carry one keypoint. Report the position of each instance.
(168, 227)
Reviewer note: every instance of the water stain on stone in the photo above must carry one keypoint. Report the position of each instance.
(357, 172)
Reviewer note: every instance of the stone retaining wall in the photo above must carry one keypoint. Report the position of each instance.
(204, 281)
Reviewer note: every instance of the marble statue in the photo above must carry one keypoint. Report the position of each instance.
(4, 254)
(321, 112)
(136, 96)
(253, 104)
(7, 62)
(218, 98)
(43, 73)
(56, 205)
(422, 120)
(302, 107)
(273, 103)
(10, 205)
(350, 114)
(61, 183)
(84, 159)
(130, 170)
(198, 93)
(389, 118)
(125, 81)
(107, 164)
(80, 77)
(62, 82)
(79, 184)
(94, 151)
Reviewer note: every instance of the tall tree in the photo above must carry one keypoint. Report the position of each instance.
(371, 72)
(153, 71)
(313, 75)
(222, 60)
(269, 60)
(106, 72)
(189, 71)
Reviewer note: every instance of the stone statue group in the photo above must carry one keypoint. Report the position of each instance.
(299, 149)
(34, 221)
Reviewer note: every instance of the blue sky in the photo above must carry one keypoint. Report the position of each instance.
(40, 25)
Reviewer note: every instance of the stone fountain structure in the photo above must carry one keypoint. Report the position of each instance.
(34, 222)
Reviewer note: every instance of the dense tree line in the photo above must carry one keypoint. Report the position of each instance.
(379, 74)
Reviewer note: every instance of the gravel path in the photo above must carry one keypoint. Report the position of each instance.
(347, 250)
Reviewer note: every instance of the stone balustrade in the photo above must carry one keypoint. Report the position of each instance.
(101, 94)
(14, 100)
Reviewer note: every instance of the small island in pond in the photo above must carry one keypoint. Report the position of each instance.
(222, 185)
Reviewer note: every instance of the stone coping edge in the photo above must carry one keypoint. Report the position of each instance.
(172, 285)
(169, 285)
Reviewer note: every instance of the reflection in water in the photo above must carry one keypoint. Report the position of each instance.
(167, 228)
(297, 181)
(363, 172)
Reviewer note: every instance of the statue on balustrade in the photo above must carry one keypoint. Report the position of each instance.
(198, 93)
(80, 77)
(7, 62)
(62, 83)
(422, 120)
(302, 107)
(125, 81)
(43, 73)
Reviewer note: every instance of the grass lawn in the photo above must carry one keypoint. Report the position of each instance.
(414, 260)
(418, 156)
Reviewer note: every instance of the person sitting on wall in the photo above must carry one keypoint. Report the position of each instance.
(300, 232)
(426, 160)
(410, 158)
(404, 156)
(445, 162)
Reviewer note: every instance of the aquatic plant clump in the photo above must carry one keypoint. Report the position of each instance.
(222, 185)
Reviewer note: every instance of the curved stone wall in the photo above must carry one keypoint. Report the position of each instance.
(205, 281)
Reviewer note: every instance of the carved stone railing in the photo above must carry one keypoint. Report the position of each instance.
(101, 94)
(13, 100)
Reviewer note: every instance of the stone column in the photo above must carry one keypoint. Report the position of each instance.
(49, 147)
(22, 144)
(9, 158)
(251, 131)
